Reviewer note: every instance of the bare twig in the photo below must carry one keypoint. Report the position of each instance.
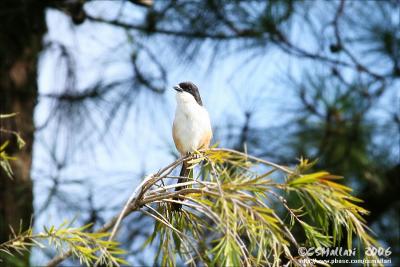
(256, 159)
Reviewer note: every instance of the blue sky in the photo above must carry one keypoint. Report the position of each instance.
(112, 166)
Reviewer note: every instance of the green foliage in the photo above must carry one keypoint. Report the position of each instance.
(234, 214)
(4, 157)
(330, 204)
(88, 248)
(230, 218)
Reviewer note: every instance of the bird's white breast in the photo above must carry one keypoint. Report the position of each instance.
(191, 122)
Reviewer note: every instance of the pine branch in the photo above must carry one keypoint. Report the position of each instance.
(233, 202)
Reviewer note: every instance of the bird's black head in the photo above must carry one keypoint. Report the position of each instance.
(190, 88)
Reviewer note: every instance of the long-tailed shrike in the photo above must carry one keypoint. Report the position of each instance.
(192, 128)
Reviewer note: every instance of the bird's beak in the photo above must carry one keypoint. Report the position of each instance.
(178, 88)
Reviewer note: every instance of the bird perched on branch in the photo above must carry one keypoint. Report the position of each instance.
(192, 128)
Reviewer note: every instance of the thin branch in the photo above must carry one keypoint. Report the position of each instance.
(341, 46)
(186, 34)
(278, 38)
(135, 201)
(256, 159)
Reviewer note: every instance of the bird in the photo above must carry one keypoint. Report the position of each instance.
(191, 128)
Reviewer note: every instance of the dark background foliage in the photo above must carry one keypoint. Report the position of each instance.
(336, 98)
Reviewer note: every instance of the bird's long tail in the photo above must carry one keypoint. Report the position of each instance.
(184, 174)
